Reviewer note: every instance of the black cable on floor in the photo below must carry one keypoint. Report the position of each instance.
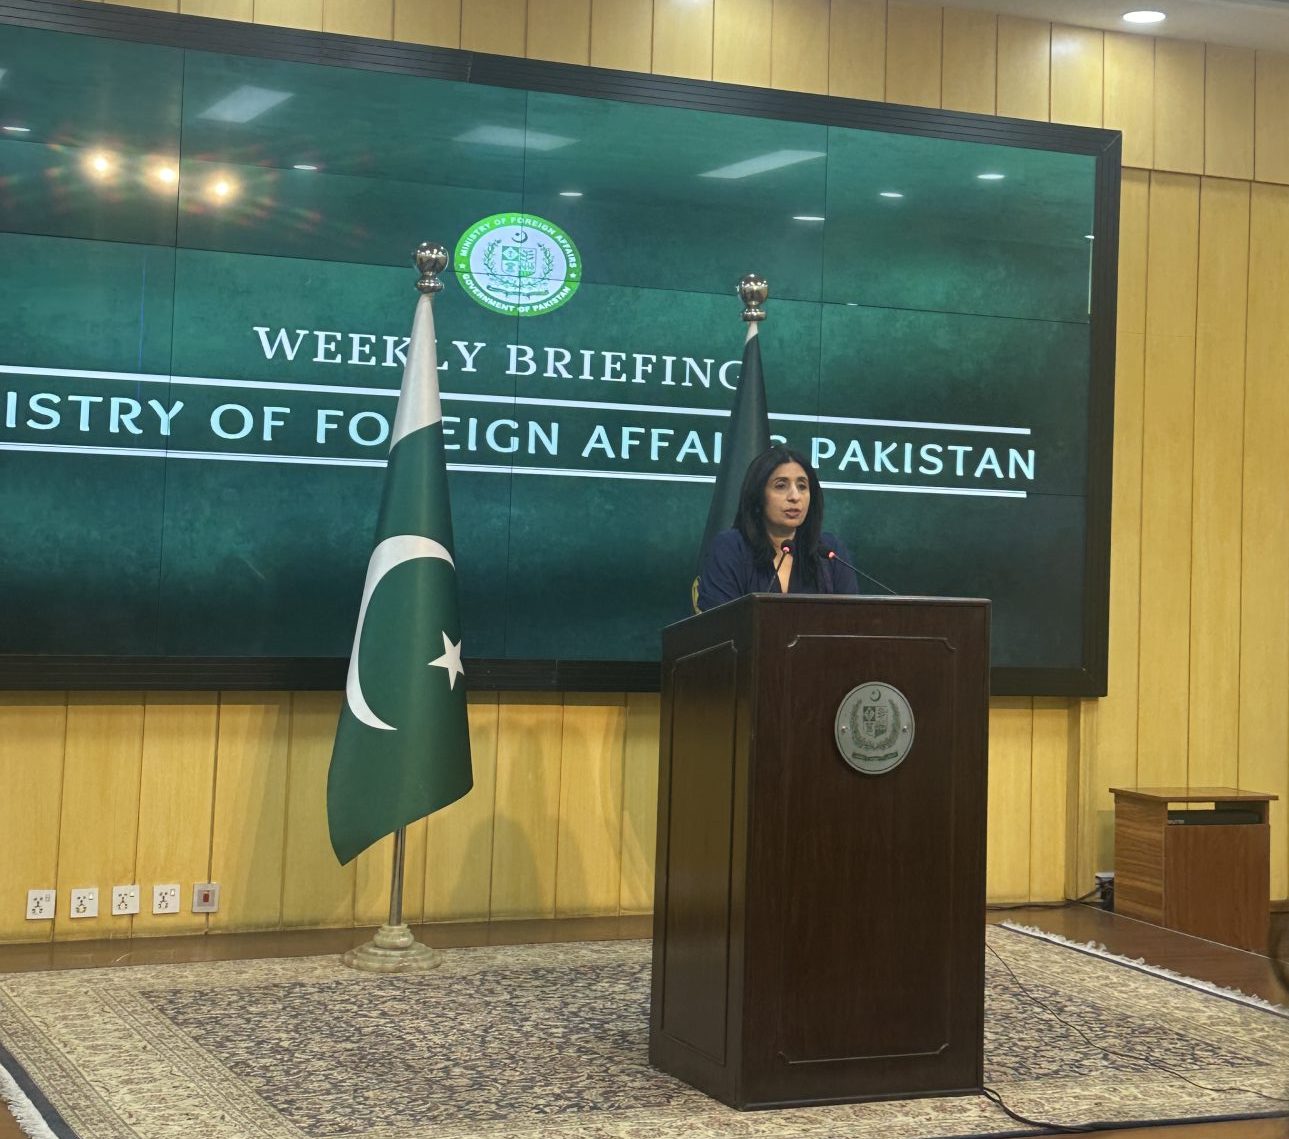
(1109, 1052)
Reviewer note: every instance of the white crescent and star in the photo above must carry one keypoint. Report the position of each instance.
(386, 556)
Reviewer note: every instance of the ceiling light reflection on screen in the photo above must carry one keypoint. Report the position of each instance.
(807, 217)
(304, 166)
(991, 176)
(570, 193)
(100, 164)
(222, 190)
(166, 175)
(18, 130)
(763, 163)
(514, 137)
(890, 194)
(244, 104)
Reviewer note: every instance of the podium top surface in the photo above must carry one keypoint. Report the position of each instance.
(752, 599)
(1193, 794)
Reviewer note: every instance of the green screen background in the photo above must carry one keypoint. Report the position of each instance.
(964, 302)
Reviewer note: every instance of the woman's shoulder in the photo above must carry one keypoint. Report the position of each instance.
(727, 541)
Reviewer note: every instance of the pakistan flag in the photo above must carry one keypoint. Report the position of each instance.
(402, 745)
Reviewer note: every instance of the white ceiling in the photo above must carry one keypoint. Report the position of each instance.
(1262, 24)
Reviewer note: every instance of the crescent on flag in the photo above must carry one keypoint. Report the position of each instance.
(388, 554)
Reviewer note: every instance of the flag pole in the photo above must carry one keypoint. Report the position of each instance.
(393, 949)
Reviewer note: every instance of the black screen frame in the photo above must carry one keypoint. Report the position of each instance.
(48, 671)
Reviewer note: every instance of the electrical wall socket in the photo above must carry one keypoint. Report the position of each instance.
(165, 899)
(205, 898)
(85, 902)
(125, 900)
(40, 904)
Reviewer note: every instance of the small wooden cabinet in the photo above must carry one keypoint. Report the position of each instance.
(1195, 859)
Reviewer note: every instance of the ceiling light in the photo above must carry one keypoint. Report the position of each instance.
(890, 194)
(1145, 16)
(991, 177)
(303, 166)
(166, 174)
(806, 217)
(570, 193)
(244, 104)
(18, 130)
(1090, 236)
(515, 137)
(762, 163)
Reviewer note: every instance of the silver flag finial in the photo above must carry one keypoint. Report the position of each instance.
(431, 259)
(753, 289)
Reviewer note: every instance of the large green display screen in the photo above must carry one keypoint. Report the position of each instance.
(207, 288)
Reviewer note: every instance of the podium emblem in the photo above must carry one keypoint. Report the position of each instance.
(874, 727)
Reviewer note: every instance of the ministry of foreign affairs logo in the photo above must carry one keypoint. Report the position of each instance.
(874, 727)
(518, 264)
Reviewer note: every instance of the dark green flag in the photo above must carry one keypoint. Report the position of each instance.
(402, 746)
(746, 436)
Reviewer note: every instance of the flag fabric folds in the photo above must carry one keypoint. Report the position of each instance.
(746, 436)
(402, 746)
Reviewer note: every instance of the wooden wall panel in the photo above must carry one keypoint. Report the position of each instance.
(219, 9)
(560, 30)
(1264, 593)
(99, 820)
(33, 731)
(371, 18)
(176, 805)
(857, 49)
(799, 46)
(913, 54)
(682, 38)
(1179, 106)
(525, 826)
(1218, 477)
(1024, 68)
(1077, 75)
(622, 34)
(639, 803)
(436, 22)
(1271, 113)
(317, 890)
(741, 41)
(1129, 103)
(458, 849)
(249, 827)
(1050, 762)
(1168, 419)
(1011, 742)
(1228, 111)
(588, 857)
(970, 65)
(305, 14)
(498, 27)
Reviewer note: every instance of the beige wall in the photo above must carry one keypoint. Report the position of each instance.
(97, 789)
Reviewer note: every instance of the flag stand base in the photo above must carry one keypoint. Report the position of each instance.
(393, 950)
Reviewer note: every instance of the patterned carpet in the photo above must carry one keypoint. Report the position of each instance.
(551, 1040)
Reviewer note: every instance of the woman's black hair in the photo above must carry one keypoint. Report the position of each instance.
(750, 520)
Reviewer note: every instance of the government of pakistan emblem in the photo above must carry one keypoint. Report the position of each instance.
(874, 727)
(518, 264)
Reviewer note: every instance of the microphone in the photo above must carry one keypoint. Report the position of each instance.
(833, 556)
(785, 548)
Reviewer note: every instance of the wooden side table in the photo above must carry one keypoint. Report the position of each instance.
(1200, 871)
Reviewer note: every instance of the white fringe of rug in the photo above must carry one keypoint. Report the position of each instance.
(24, 1111)
(1096, 949)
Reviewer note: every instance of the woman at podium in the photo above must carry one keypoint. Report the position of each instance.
(778, 543)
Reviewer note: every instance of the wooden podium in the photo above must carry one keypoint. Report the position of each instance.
(818, 931)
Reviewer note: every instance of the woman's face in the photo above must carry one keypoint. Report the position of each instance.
(787, 499)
